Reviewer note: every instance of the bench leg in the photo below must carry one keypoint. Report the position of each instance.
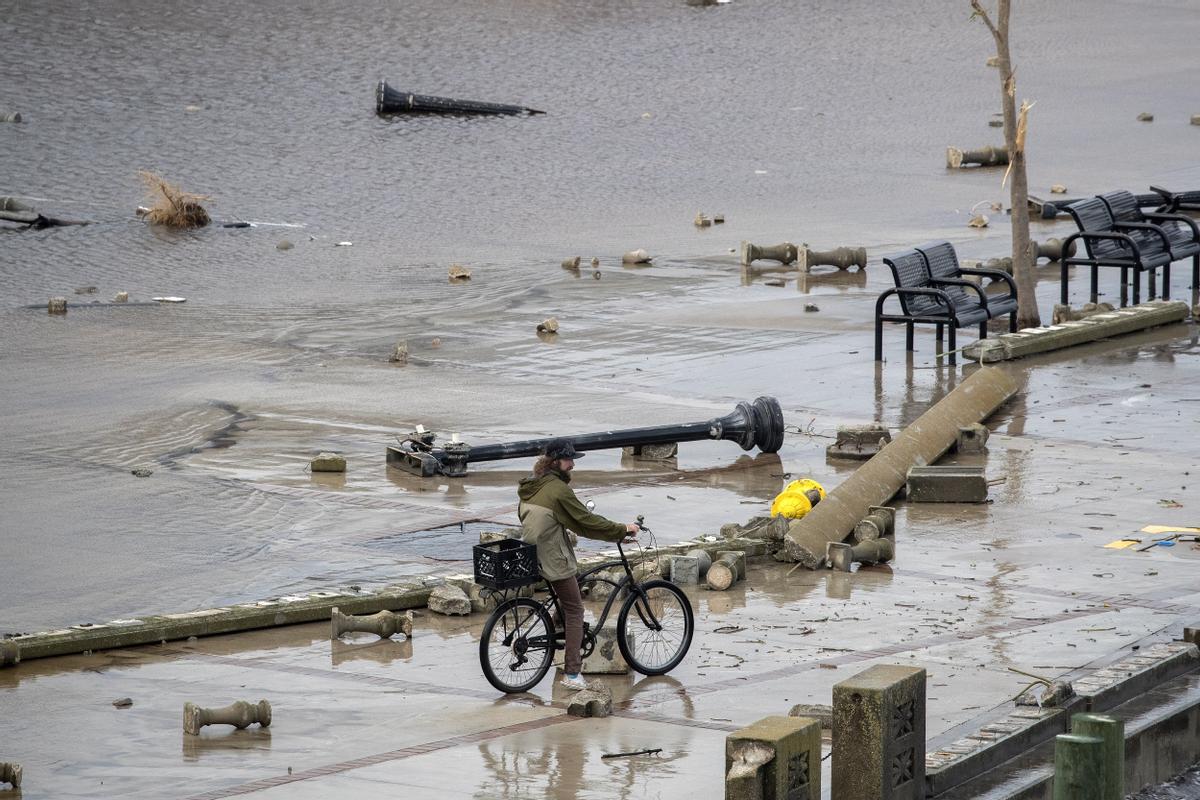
(953, 346)
(1166, 292)
(983, 329)
(878, 339)
(1152, 282)
(908, 336)
(1096, 281)
(1124, 287)
(1062, 280)
(1012, 322)
(1137, 284)
(1196, 280)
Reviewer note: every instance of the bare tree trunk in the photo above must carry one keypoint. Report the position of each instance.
(1022, 254)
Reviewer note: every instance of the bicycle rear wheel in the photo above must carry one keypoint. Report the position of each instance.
(654, 627)
(517, 646)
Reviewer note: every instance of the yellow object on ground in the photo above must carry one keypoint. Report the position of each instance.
(1121, 544)
(797, 499)
(1168, 529)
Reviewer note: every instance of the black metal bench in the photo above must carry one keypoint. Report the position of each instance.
(1174, 202)
(947, 273)
(923, 300)
(1109, 243)
(1183, 236)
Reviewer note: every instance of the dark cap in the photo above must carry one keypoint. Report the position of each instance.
(561, 448)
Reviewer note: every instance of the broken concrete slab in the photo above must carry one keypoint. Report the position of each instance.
(450, 600)
(594, 701)
(606, 658)
(328, 462)
(874, 483)
(821, 713)
(859, 442)
(1032, 341)
(946, 484)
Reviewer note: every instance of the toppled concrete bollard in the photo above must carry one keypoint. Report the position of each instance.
(57, 305)
(384, 624)
(11, 772)
(458, 272)
(784, 253)
(121, 297)
(571, 263)
(879, 522)
(951, 484)
(606, 658)
(879, 735)
(10, 653)
(638, 256)
(449, 600)
(859, 442)
(703, 561)
(776, 757)
(594, 701)
(685, 570)
(872, 551)
(548, 325)
(840, 257)
(821, 713)
(972, 438)
(399, 353)
(1064, 313)
(728, 569)
(653, 452)
(1051, 250)
(240, 715)
(770, 529)
(10, 116)
(985, 157)
(1145, 116)
(328, 462)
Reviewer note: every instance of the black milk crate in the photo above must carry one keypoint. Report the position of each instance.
(506, 564)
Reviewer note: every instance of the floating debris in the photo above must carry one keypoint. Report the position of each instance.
(169, 299)
(459, 273)
(172, 206)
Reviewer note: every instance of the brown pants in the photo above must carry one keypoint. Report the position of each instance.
(567, 591)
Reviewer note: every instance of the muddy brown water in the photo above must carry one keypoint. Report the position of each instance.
(822, 122)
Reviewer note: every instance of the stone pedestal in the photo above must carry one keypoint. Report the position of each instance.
(685, 570)
(947, 485)
(879, 735)
(606, 658)
(776, 758)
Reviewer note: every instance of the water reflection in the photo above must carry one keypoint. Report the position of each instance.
(381, 651)
(250, 739)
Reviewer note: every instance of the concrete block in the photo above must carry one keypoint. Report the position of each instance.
(777, 758)
(859, 442)
(57, 305)
(972, 439)
(606, 658)
(594, 701)
(328, 462)
(685, 570)
(1191, 635)
(10, 772)
(879, 735)
(449, 600)
(947, 485)
(653, 452)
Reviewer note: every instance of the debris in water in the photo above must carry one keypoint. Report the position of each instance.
(141, 472)
(284, 244)
(343, 244)
(638, 256)
(399, 353)
(701, 221)
(123, 702)
(121, 297)
(172, 206)
(86, 290)
(978, 221)
(169, 299)
(650, 752)
(571, 263)
(810, 307)
(1145, 116)
(57, 305)
(1058, 188)
(549, 325)
(459, 273)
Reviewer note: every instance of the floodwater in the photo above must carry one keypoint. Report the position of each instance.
(817, 121)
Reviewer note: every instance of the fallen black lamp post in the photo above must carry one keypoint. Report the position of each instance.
(389, 100)
(758, 424)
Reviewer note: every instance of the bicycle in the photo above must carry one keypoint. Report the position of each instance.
(654, 629)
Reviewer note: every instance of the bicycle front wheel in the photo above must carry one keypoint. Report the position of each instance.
(654, 628)
(517, 646)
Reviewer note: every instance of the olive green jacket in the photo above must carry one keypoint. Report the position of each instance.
(548, 509)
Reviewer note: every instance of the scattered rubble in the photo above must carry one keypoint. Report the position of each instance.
(10, 772)
(594, 701)
(859, 441)
(548, 325)
(728, 569)
(122, 702)
(399, 353)
(1058, 188)
(840, 257)
(571, 263)
(328, 462)
(459, 273)
(701, 221)
(972, 438)
(121, 297)
(946, 484)
(10, 116)
(784, 253)
(449, 600)
(284, 244)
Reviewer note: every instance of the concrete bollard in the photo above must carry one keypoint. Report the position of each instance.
(1051, 249)
(703, 561)
(859, 442)
(972, 438)
(872, 551)
(638, 256)
(785, 253)
(879, 735)
(384, 624)
(240, 715)
(11, 772)
(571, 263)
(57, 305)
(840, 257)
(1079, 767)
(328, 462)
(10, 116)
(606, 658)
(776, 757)
(1111, 732)
(948, 484)
(685, 570)
(728, 569)
(10, 653)
(880, 522)
(984, 157)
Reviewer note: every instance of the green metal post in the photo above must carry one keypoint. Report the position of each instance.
(1078, 767)
(1112, 732)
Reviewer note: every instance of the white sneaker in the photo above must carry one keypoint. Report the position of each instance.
(573, 682)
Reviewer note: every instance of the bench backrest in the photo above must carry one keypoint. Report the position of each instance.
(942, 263)
(1093, 215)
(909, 271)
(1123, 206)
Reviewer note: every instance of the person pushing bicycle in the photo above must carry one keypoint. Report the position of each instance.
(548, 509)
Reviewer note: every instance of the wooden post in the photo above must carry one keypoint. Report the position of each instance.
(1112, 732)
(1079, 767)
